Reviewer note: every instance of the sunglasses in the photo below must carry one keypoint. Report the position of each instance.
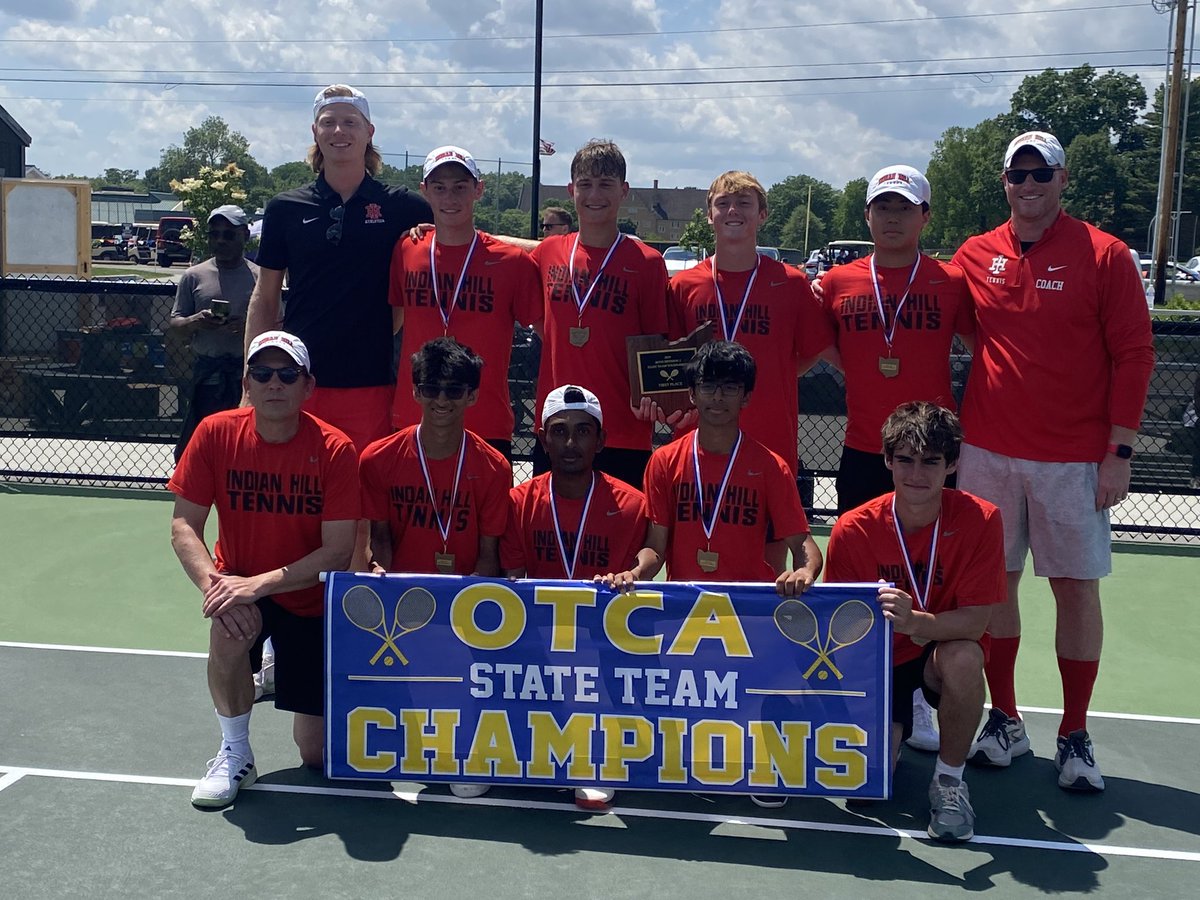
(1041, 176)
(546, 225)
(452, 391)
(222, 234)
(287, 374)
(334, 234)
(728, 389)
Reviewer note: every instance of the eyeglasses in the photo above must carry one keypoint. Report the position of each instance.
(334, 234)
(546, 225)
(222, 234)
(1041, 176)
(287, 374)
(727, 389)
(453, 391)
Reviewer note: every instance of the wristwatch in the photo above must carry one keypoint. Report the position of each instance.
(1120, 451)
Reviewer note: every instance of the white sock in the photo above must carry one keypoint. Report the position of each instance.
(955, 772)
(268, 653)
(235, 733)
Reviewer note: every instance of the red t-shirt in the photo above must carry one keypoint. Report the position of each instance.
(761, 493)
(781, 325)
(938, 307)
(501, 288)
(271, 499)
(970, 556)
(1064, 348)
(393, 491)
(614, 533)
(630, 299)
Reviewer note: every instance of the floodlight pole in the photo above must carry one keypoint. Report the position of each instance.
(1170, 153)
(537, 123)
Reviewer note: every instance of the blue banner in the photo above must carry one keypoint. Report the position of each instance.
(717, 688)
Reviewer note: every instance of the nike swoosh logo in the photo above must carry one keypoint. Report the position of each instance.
(313, 459)
(629, 271)
(472, 477)
(752, 473)
(492, 262)
(613, 512)
(1054, 268)
(939, 281)
(949, 533)
(308, 221)
(778, 283)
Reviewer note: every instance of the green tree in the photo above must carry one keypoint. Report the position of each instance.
(514, 222)
(801, 225)
(214, 144)
(698, 234)
(1078, 102)
(290, 175)
(120, 178)
(211, 187)
(1097, 184)
(848, 221)
(783, 199)
(964, 174)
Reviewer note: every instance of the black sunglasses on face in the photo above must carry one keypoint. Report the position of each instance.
(1041, 176)
(225, 234)
(287, 374)
(546, 225)
(452, 391)
(334, 234)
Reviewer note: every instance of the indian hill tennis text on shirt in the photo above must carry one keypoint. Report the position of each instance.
(269, 492)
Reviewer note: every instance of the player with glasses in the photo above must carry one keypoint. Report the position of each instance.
(333, 240)
(1057, 303)
(285, 488)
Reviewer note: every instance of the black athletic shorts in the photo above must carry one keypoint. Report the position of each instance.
(906, 678)
(299, 643)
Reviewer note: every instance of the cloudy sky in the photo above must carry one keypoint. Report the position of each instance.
(688, 88)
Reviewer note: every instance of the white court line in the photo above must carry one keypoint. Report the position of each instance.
(183, 654)
(11, 778)
(414, 797)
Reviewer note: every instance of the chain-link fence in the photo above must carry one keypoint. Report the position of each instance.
(91, 381)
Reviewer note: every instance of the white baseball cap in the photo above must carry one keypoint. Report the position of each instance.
(1043, 142)
(903, 180)
(449, 154)
(571, 396)
(356, 98)
(288, 343)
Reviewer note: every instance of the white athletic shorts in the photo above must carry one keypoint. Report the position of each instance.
(1047, 507)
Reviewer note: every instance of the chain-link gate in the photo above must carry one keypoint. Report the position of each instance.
(91, 381)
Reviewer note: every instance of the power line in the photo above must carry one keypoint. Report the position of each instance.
(581, 35)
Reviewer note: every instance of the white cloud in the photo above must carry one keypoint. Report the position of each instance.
(258, 69)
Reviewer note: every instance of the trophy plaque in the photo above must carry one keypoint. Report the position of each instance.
(656, 367)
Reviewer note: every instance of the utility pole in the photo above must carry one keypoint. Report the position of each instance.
(1166, 183)
(534, 187)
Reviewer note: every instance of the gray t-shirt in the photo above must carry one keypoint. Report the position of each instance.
(205, 282)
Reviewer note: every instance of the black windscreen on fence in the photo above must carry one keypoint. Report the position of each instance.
(93, 383)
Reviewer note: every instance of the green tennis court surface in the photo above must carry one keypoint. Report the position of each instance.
(99, 751)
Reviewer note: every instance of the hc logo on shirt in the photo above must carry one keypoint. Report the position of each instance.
(998, 264)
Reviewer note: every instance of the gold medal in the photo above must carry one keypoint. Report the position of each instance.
(579, 336)
(889, 366)
(707, 560)
(444, 563)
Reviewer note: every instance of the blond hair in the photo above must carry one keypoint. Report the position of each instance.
(372, 160)
(733, 182)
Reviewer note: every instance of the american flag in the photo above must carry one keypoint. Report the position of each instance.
(546, 148)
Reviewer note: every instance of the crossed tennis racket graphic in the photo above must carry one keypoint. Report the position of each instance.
(849, 624)
(364, 608)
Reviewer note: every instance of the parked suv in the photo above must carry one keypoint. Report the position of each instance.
(168, 248)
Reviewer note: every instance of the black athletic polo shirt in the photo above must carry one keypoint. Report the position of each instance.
(337, 300)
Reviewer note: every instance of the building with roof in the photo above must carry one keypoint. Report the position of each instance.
(660, 214)
(13, 142)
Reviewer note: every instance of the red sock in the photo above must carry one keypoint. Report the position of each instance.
(1078, 678)
(1000, 668)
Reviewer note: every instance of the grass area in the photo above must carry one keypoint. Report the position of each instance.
(109, 271)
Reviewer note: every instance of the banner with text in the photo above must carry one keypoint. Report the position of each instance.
(697, 687)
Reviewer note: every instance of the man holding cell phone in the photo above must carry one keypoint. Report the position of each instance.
(210, 309)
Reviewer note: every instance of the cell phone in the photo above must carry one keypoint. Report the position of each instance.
(220, 308)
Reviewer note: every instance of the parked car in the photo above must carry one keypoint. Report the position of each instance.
(106, 241)
(168, 247)
(679, 258)
(768, 252)
(812, 266)
(792, 257)
(140, 246)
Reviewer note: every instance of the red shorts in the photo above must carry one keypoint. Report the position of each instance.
(364, 414)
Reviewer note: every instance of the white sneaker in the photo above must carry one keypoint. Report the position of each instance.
(951, 817)
(227, 773)
(469, 791)
(924, 733)
(594, 798)
(768, 801)
(999, 741)
(264, 679)
(1076, 763)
